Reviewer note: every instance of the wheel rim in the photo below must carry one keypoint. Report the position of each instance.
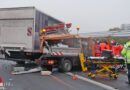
(67, 66)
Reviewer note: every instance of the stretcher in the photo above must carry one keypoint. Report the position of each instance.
(104, 66)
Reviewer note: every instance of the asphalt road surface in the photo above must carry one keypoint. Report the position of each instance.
(56, 81)
(34, 81)
(118, 84)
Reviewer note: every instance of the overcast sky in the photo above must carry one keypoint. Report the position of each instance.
(90, 15)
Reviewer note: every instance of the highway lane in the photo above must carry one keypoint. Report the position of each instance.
(118, 84)
(34, 81)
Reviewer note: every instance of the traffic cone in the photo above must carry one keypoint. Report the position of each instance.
(1, 83)
(74, 77)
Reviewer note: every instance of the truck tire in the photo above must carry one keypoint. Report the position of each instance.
(66, 65)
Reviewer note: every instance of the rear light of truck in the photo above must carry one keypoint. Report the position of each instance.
(50, 62)
(45, 62)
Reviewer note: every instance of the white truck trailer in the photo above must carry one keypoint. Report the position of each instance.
(19, 29)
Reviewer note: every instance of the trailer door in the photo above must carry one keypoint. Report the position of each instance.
(16, 33)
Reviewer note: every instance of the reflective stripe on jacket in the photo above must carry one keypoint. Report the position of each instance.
(126, 52)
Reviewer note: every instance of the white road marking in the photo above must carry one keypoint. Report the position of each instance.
(107, 87)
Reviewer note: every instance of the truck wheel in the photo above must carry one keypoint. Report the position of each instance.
(66, 65)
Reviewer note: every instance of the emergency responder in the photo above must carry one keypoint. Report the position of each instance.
(103, 46)
(126, 53)
(97, 48)
(115, 47)
(116, 50)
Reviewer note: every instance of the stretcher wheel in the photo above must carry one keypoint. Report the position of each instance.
(89, 74)
(93, 76)
(115, 77)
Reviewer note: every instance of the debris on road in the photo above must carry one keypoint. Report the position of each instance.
(18, 69)
(55, 69)
(46, 72)
(28, 71)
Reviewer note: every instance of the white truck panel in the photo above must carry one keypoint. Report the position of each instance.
(14, 33)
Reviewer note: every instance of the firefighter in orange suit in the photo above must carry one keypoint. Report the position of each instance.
(103, 46)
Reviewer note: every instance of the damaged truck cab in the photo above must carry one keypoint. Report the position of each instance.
(63, 50)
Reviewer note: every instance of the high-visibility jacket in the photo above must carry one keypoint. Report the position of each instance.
(103, 46)
(126, 52)
(108, 47)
